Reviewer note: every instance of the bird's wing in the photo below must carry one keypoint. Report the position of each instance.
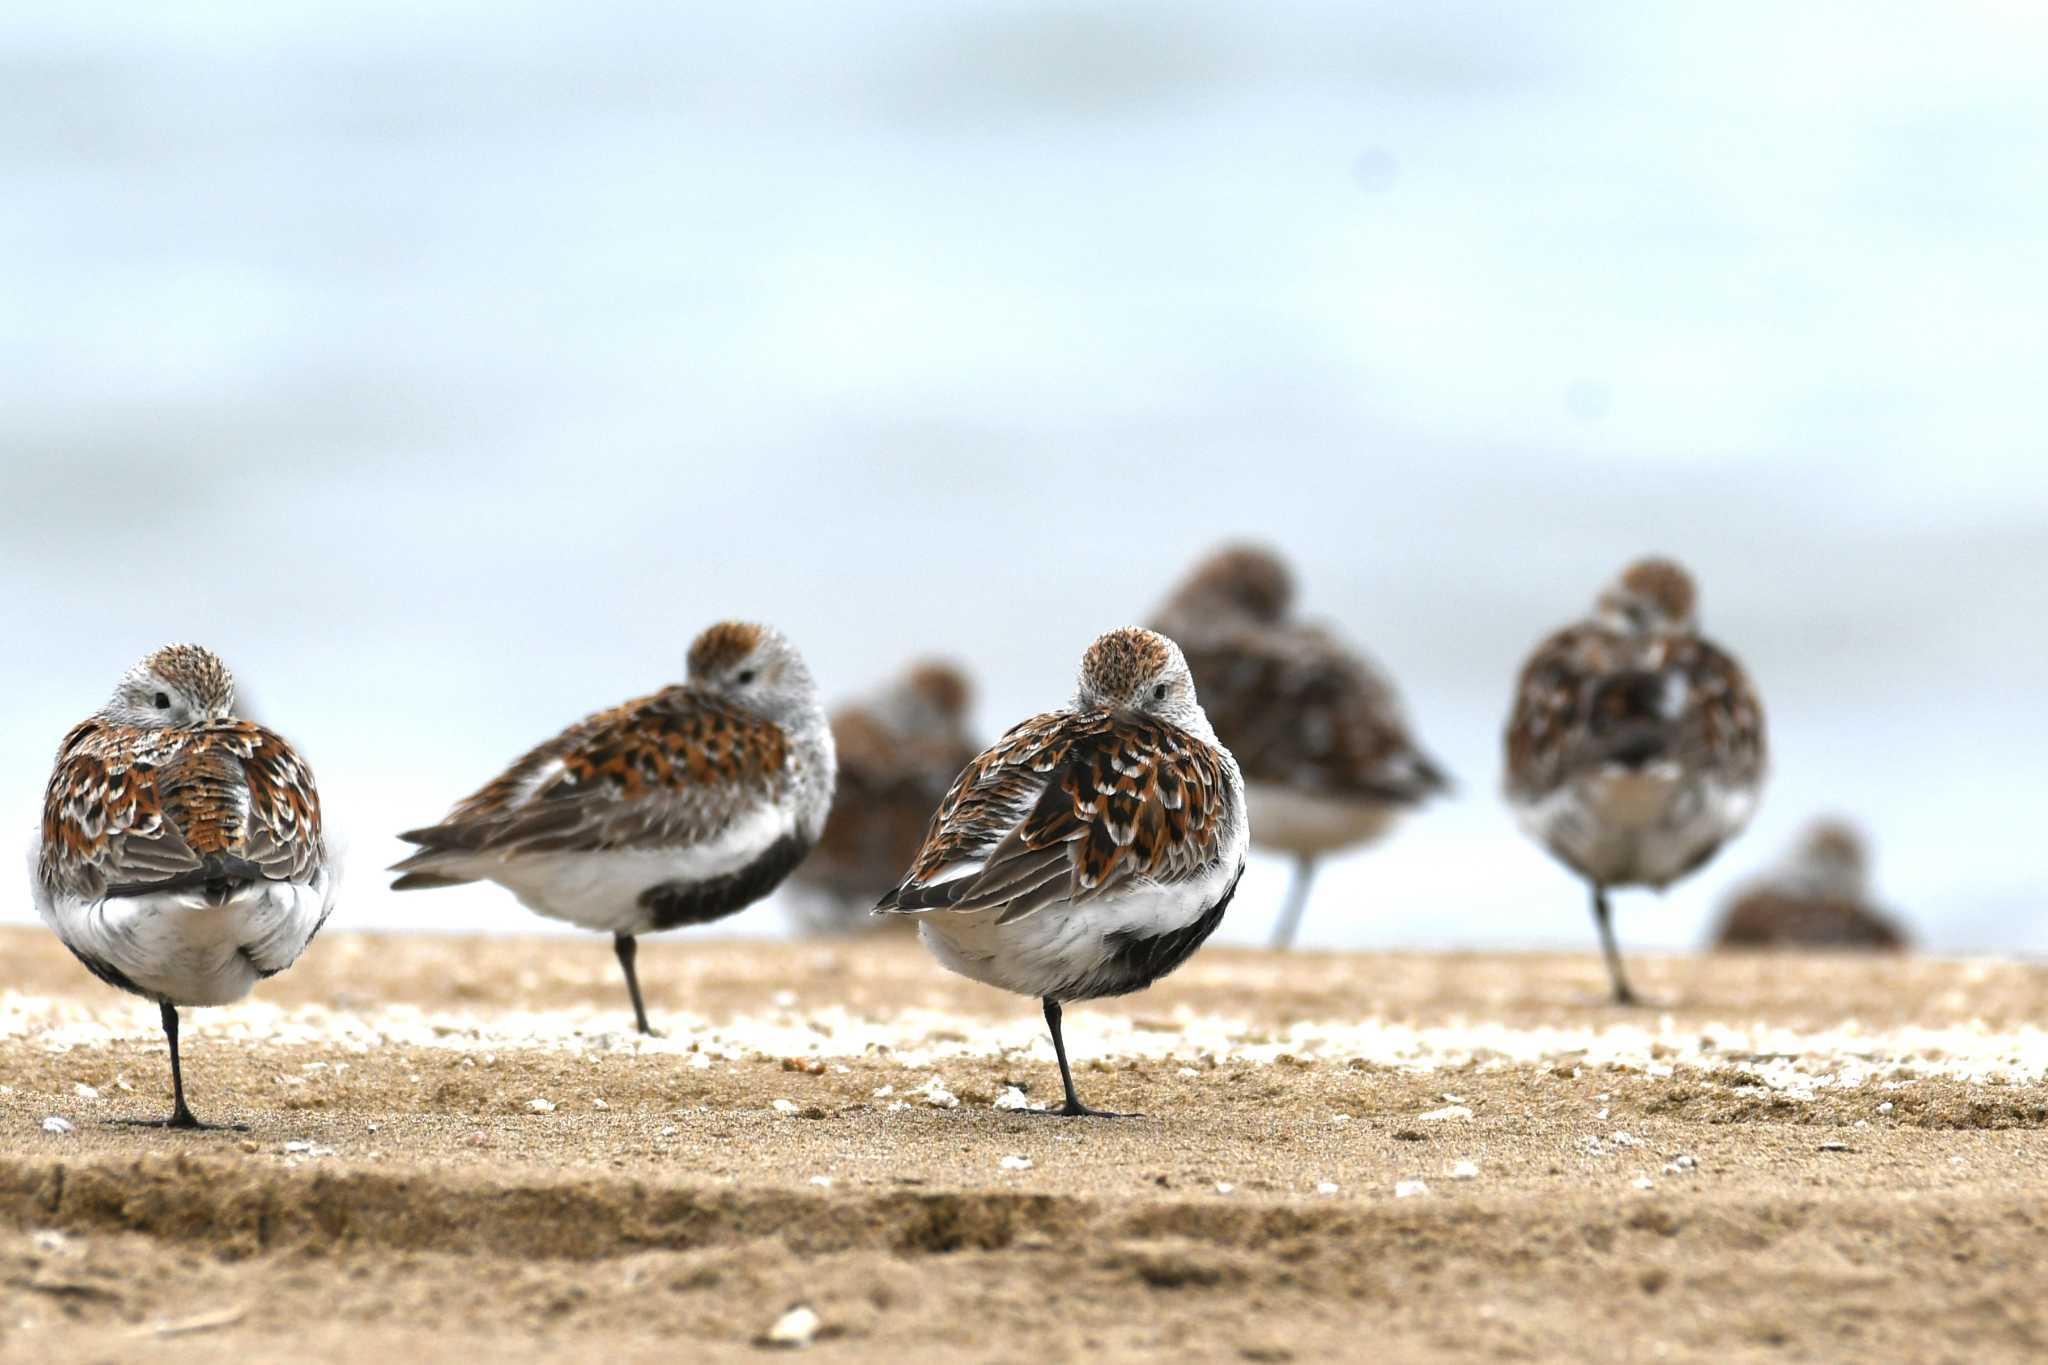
(665, 771)
(1725, 717)
(1066, 807)
(1548, 727)
(1299, 709)
(130, 810)
(1589, 698)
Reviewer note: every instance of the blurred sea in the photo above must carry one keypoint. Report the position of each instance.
(447, 371)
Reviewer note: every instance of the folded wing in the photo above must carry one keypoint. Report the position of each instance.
(131, 812)
(1299, 709)
(1589, 699)
(668, 770)
(1064, 808)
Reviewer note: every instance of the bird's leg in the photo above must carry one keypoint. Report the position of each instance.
(1297, 899)
(181, 1114)
(1073, 1108)
(1602, 917)
(628, 949)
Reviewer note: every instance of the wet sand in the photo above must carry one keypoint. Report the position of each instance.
(455, 1147)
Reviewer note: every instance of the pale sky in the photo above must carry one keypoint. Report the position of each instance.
(447, 372)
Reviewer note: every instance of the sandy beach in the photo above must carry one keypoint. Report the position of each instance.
(455, 1147)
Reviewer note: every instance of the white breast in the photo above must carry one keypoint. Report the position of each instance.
(1296, 822)
(601, 888)
(1046, 952)
(1621, 827)
(176, 946)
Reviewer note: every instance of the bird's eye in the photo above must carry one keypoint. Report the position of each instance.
(1159, 692)
(745, 676)
(163, 701)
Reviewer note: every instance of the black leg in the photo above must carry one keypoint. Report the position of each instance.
(628, 949)
(1297, 899)
(1073, 1108)
(1601, 916)
(181, 1114)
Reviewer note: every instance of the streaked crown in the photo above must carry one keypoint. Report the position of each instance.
(757, 669)
(1652, 596)
(721, 647)
(174, 685)
(1123, 660)
(1141, 672)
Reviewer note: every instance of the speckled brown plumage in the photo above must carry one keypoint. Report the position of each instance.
(720, 646)
(672, 768)
(1299, 708)
(1301, 711)
(1066, 806)
(134, 807)
(1591, 695)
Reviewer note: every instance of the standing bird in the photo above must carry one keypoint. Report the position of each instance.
(1328, 758)
(898, 752)
(678, 808)
(1093, 848)
(1819, 897)
(1635, 748)
(180, 855)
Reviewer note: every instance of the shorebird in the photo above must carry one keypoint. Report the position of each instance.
(1328, 758)
(180, 855)
(674, 809)
(898, 752)
(1635, 747)
(1092, 849)
(1819, 897)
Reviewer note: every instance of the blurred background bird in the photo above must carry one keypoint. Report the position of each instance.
(1818, 897)
(1327, 756)
(1635, 745)
(899, 750)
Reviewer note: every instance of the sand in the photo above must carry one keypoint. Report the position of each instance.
(455, 1147)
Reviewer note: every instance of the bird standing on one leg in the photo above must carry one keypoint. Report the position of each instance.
(1093, 848)
(1329, 762)
(678, 808)
(1635, 747)
(180, 855)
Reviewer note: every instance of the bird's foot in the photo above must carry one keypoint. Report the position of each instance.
(1078, 1110)
(182, 1121)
